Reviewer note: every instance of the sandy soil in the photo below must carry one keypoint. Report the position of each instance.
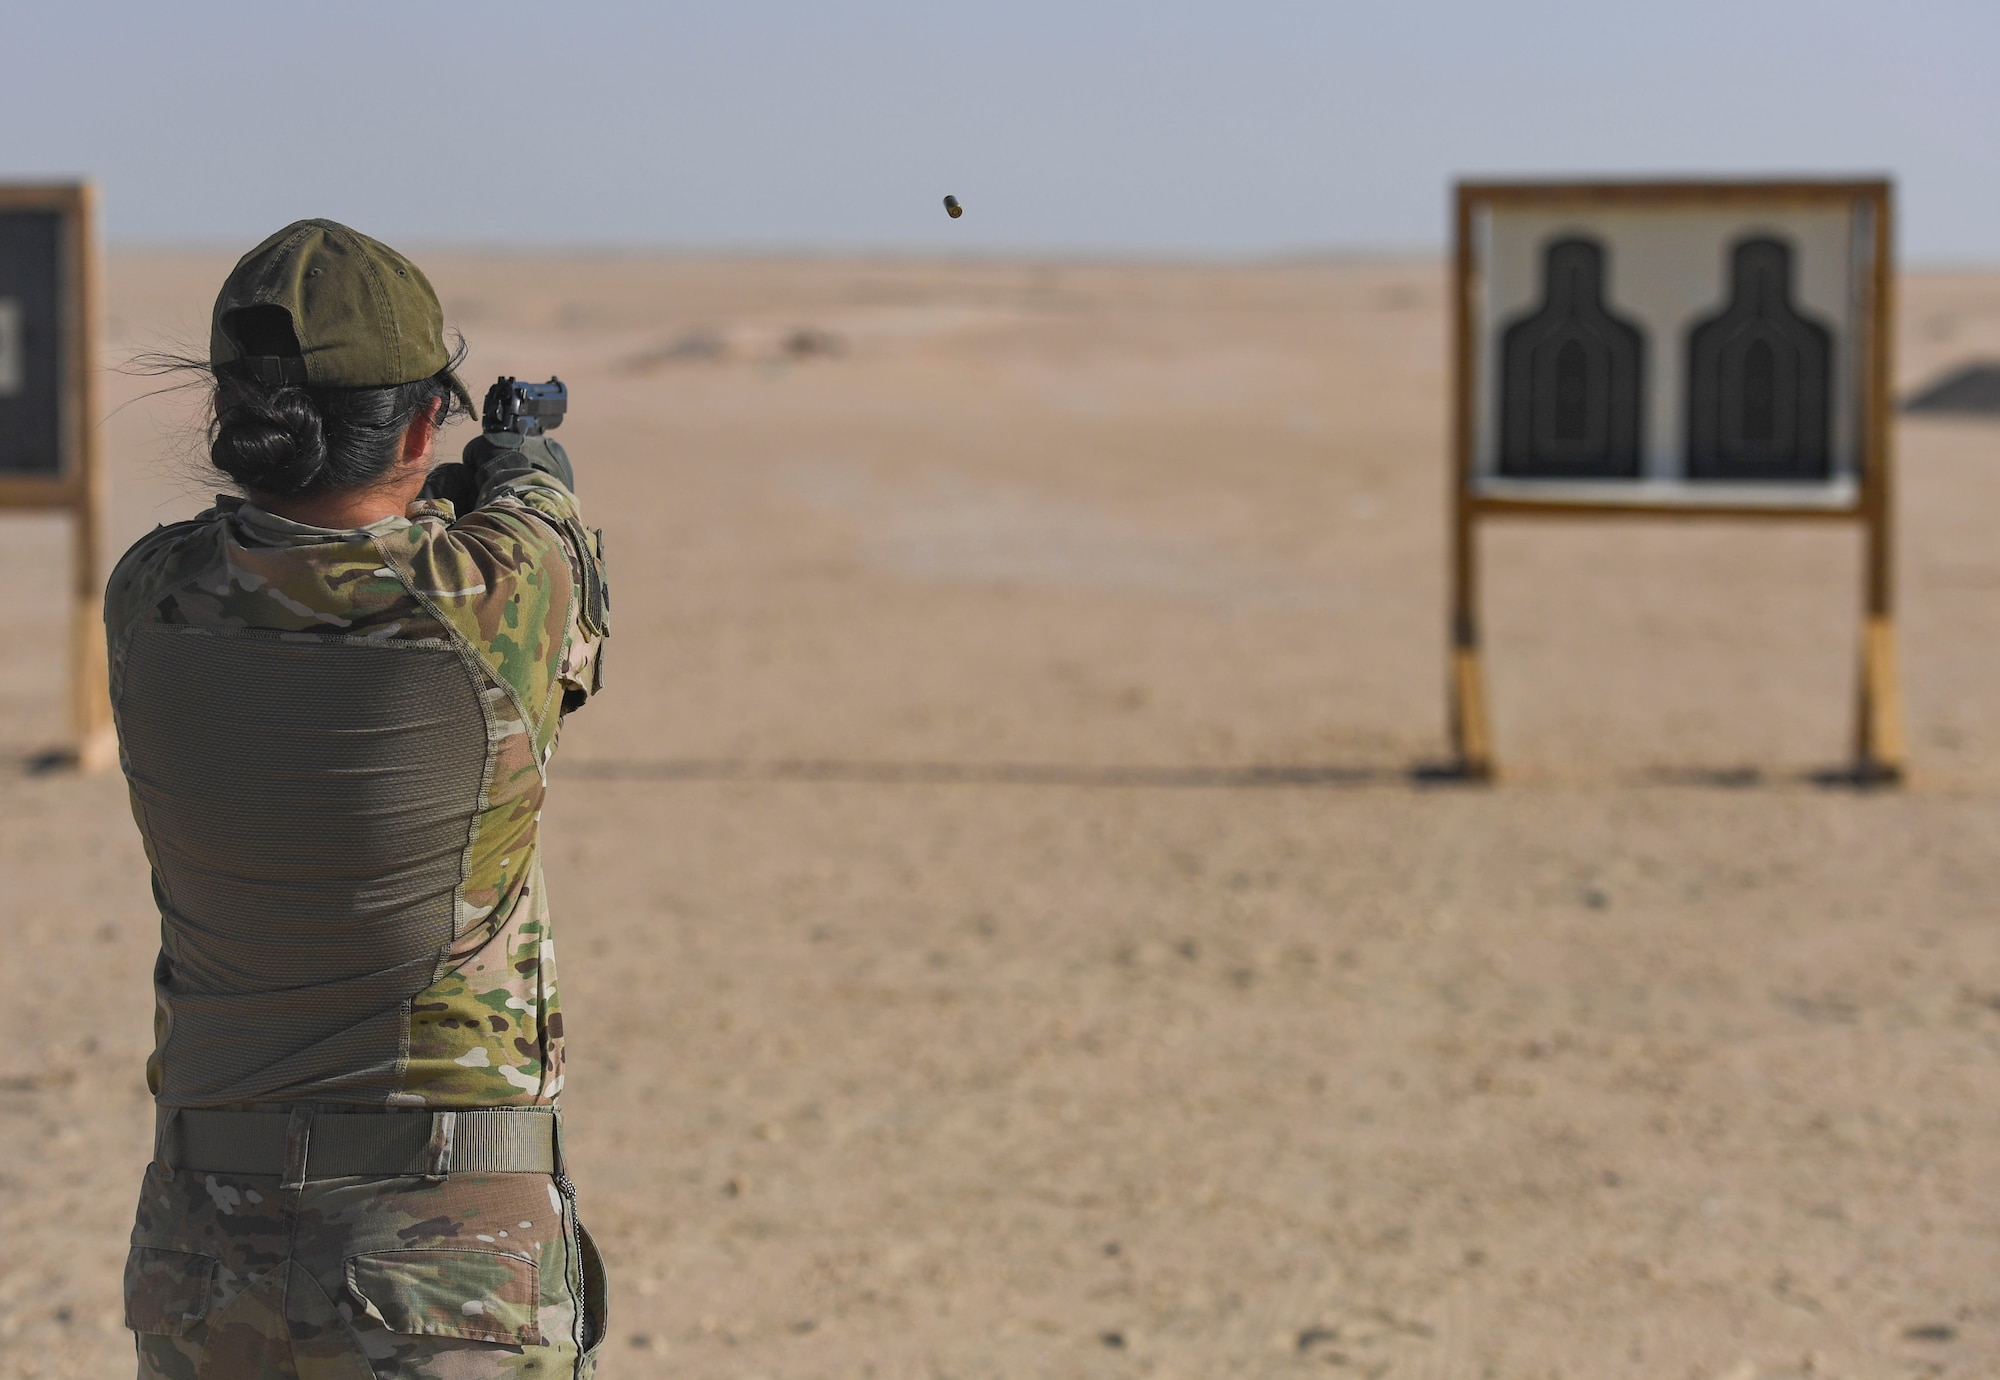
(949, 993)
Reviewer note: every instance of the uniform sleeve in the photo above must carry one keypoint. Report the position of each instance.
(147, 570)
(528, 488)
(520, 579)
(140, 585)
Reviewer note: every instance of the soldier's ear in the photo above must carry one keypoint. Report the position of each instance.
(420, 436)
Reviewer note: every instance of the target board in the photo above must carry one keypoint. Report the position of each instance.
(1682, 349)
(49, 459)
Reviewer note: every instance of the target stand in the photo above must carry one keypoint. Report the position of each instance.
(49, 439)
(1677, 350)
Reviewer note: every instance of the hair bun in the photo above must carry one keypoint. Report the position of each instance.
(274, 443)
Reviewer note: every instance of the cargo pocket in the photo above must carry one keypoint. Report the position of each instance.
(482, 1295)
(166, 1292)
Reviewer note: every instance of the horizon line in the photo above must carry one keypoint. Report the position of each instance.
(1302, 255)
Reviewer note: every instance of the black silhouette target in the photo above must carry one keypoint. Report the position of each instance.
(31, 343)
(1571, 377)
(1760, 378)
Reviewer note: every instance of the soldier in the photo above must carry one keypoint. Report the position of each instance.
(337, 696)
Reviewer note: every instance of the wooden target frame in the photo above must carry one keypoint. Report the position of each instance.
(73, 479)
(1864, 497)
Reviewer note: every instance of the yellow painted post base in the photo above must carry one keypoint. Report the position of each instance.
(1879, 752)
(95, 740)
(98, 751)
(1470, 738)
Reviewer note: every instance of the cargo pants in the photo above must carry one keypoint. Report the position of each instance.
(232, 1277)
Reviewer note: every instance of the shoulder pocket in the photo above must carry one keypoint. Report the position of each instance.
(166, 1292)
(484, 1295)
(594, 605)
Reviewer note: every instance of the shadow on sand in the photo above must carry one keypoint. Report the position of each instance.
(1007, 774)
(1303, 776)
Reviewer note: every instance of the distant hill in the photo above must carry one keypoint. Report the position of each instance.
(1972, 390)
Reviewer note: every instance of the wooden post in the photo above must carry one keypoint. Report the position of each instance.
(96, 740)
(1879, 750)
(1471, 742)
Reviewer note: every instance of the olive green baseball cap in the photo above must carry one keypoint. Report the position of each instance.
(362, 315)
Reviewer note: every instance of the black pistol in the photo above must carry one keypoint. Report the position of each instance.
(527, 408)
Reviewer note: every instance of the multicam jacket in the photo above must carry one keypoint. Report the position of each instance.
(337, 746)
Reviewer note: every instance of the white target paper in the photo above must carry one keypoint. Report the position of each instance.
(1665, 270)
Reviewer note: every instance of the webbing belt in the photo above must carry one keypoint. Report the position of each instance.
(307, 1143)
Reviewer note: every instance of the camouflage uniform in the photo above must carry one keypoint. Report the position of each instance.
(475, 1274)
(352, 1279)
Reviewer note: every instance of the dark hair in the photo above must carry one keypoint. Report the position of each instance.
(293, 440)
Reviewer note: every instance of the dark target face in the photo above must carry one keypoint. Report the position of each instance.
(30, 343)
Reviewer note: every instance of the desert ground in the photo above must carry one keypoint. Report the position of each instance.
(1007, 926)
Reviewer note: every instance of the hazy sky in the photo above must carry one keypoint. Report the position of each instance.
(1165, 126)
